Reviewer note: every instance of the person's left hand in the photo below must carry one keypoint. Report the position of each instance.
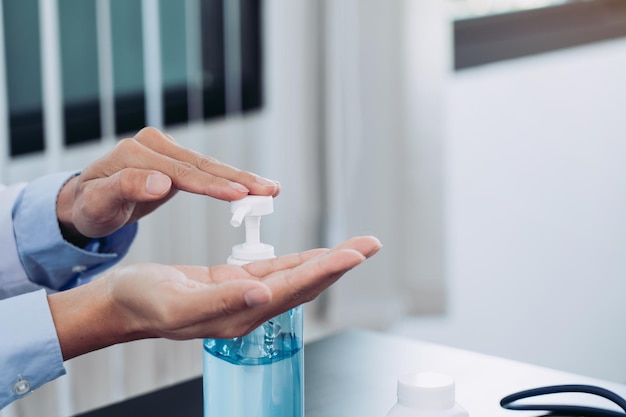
(139, 175)
(185, 302)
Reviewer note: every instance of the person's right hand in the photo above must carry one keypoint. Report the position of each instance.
(185, 302)
(139, 175)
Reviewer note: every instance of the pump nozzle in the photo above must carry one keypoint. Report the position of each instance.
(250, 209)
(239, 215)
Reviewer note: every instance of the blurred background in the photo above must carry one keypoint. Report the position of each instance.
(483, 141)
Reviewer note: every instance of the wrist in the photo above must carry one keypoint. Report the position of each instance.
(86, 319)
(130, 327)
(64, 209)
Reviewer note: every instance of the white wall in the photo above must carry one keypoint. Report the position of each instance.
(385, 66)
(535, 218)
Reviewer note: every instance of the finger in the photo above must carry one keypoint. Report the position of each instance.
(184, 175)
(215, 274)
(212, 310)
(306, 281)
(367, 245)
(278, 188)
(224, 174)
(265, 267)
(129, 153)
(228, 297)
(254, 271)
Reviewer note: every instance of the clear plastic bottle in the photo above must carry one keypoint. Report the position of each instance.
(262, 373)
(426, 394)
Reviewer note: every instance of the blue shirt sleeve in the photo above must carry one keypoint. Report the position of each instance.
(47, 258)
(13, 278)
(30, 354)
(36, 256)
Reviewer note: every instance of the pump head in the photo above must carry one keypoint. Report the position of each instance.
(249, 211)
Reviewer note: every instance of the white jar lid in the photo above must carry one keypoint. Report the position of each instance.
(426, 390)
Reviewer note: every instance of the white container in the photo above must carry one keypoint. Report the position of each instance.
(426, 394)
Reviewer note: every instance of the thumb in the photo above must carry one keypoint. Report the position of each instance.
(139, 185)
(118, 194)
(108, 203)
(158, 184)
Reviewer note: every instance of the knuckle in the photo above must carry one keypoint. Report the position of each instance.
(148, 133)
(206, 163)
(183, 169)
(169, 137)
(89, 203)
(297, 295)
(296, 292)
(124, 143)
(127, 186)
(127, 146)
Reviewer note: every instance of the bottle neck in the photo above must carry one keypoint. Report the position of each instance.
(253, 230)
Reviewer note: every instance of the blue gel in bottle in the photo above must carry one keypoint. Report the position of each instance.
(258, 375)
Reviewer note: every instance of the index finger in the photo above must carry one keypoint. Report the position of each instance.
(307, 280)
(266, 267)
(160, 143)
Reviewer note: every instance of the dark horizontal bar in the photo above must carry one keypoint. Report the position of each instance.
(488, 39)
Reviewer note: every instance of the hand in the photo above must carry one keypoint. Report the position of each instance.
(139, 175)
(185, 302)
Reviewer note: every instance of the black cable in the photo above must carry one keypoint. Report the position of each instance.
(508, 402)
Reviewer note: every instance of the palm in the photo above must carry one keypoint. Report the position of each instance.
(182, 302)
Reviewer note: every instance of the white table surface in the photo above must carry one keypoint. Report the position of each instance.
(354, 373)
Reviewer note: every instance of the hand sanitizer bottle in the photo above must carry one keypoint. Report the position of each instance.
(426, 394)
(260, 374)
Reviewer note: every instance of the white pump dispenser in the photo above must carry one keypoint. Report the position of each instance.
(249, 211)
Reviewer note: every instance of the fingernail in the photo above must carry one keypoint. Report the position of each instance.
(277, 188)
(238, 187)
(157, 183)
(256, 297)
(265, 181)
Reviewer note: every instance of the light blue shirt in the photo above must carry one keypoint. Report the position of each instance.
(34, 260)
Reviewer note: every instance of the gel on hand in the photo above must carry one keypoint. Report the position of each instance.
(260, 374)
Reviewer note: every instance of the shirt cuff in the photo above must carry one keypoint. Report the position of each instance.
(47, 258)
(13, 278)
(30, 354)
